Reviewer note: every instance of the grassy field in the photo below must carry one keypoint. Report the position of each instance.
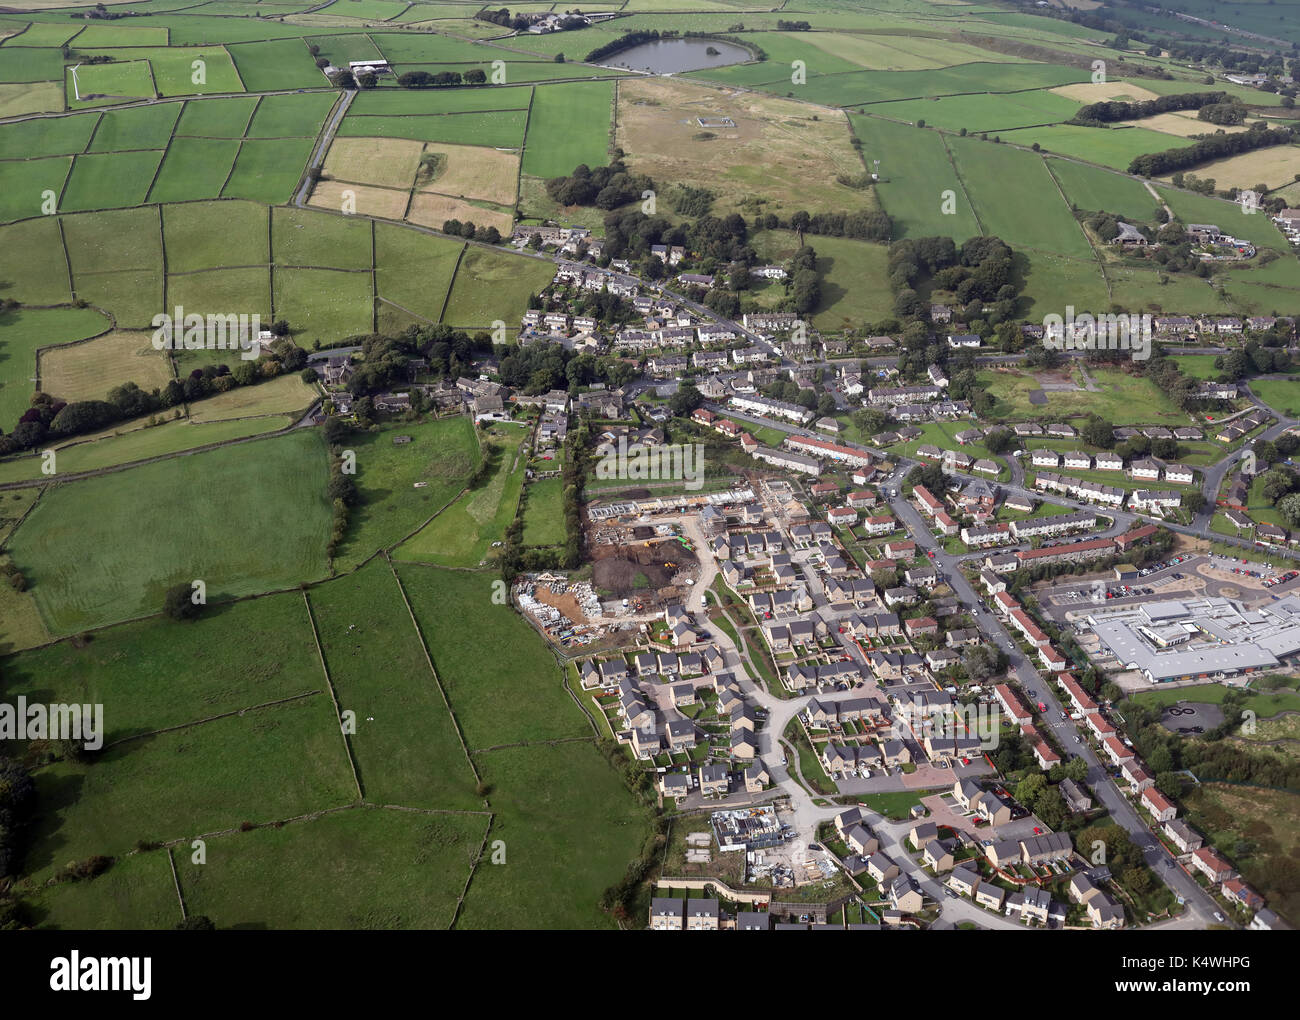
(1033, 214)
(267, 169)
(854, 277)
(1092, 189)
(463, 533)
(491, 285)
(570, 830)
(109, 180)
(135, 442)
(87, 570)
(405, 744)
(568, 125)
(1280, 394)
(276, 396)
(136, 893)
(413, 269)
(778, 149)
(264, 765)
(324, 304)
(300, 237)
(87, 371)
(521, 696)
(504, 129)
(1121, 398)
(360, 869)
(544, 513)
(237, 656)
(438, 459)
(915, 172)
(194, 168)
(1257, 830)
(25, 330)
(202, 235)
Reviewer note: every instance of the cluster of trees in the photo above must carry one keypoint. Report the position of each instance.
(1226, 114)
(471, 231)
(343, 495)
(625, 42)
(1254, 359)
(17, 804)
(50, 418)
(789, 391)
(539, 368)
(1116, 110)
(981, 273)
(516, 558)
(179, 603)
(793, 26)
(1155, 164)
(710, 239)
(860, 224)
(692, 202)
(441, 79)
(606, 187)
(1211, 756)
(387, 358)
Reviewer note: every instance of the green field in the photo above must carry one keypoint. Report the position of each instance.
(491, 285)
(22, 331)
(1113, 147)
(358, 869)
(87, 570)
(502, 680)
(111, 180)
(544, 513)
(267, 169)
(140, 127)
(915, 172)
(1032, 214)
(568, 125)
(290, 116)
(194, 168)
(439, 458)
(463, 533)
(302, 237)
(405, 744)
(1121, 399)
(324, 304)
(216, 118)
(138, 444)
(31, 186)
(503, 129)
(1280, 394)
(414, 270)
(202, 235)
(264, 765)
(1094, 190)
